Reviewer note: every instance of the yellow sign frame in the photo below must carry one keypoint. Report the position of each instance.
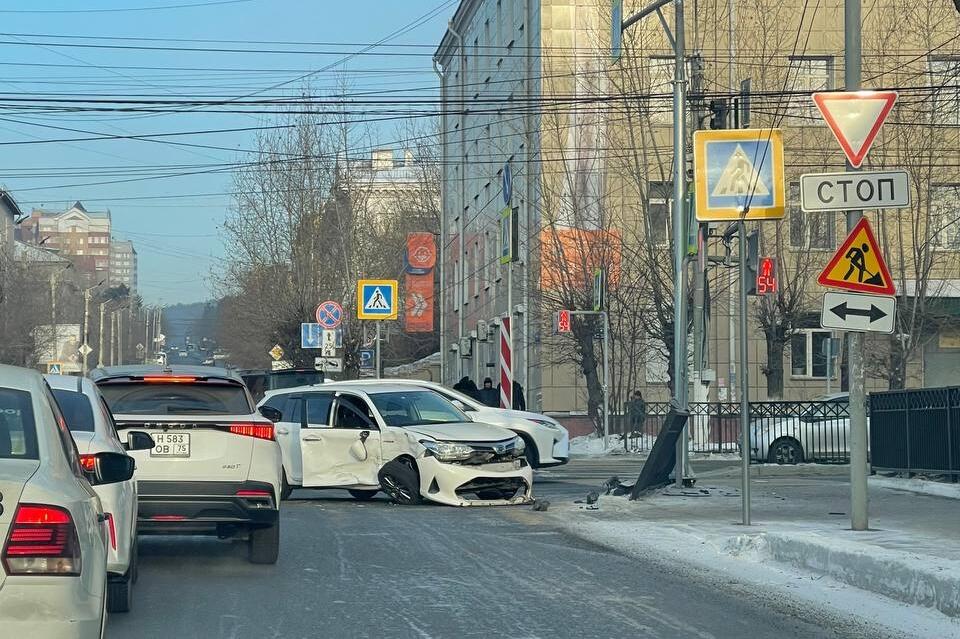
(704, 212)
(394, 289)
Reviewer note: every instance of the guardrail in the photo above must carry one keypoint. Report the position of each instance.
(916, 431)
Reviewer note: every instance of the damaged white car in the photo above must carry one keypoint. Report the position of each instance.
(411, 443)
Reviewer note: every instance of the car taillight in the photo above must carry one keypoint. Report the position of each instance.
(42, 541)
(89, 462)
(253, 429)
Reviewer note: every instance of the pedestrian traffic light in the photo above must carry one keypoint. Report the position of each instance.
(767, 276)
(718, 113)
(563, 321)
(752, 255)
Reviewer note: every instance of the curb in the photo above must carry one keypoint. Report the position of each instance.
(935, 584)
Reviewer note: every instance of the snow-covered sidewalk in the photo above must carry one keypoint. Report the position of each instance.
(905, 571)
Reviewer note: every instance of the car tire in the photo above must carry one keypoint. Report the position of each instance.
(531, 453)
(785, 451)
(363, 495)
(264, 545)
(399, 480)
(285, 488)
(120, 593)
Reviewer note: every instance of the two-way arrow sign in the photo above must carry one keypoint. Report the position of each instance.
(853, 312)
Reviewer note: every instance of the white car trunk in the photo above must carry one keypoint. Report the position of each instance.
(194, 447)
(14, 475)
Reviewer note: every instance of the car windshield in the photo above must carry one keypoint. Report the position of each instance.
(416, 408)
(76, 409)
(18, 435)
(152, 398)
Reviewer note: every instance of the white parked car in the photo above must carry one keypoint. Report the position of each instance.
(93, 430)
(547, 441)
(53, 558)
(409, 442)
(821, 432)
(215, 468)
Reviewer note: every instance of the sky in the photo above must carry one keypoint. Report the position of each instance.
(55, 48)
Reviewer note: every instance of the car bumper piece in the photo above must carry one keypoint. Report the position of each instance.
(471, 485)
(175, 507)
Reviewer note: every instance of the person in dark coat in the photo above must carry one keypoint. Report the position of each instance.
(637, 412)
(519, 401)
(488, 394)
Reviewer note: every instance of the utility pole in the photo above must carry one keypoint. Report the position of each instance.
(858, 409)
(86, 329)
(100, 341)
(119, 314)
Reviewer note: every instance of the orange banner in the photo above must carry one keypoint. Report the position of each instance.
(418, 302)
(569, 257)
(421, 252)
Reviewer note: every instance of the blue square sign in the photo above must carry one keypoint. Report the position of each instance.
(377, 299)
(739, 174)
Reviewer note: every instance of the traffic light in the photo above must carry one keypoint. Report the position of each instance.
(718, 113)
(563, 321)
(767, 275)
(752, 255)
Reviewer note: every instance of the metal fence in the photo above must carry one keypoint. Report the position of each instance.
(782, 432)
(916, 431)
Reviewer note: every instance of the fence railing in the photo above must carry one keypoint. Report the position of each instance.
(784, 432)
(916, 431)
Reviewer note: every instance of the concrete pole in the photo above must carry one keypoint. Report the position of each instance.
(606, 380)
(86, 329)
(120, 337)
(858, 415)
(732, 380)
(679, 234)
(444, 132)
(100, 340)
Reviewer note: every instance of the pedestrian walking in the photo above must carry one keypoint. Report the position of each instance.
(637, 413)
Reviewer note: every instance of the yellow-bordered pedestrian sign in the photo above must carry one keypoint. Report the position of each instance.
(858, 264)
(738, 174)
(377, 299)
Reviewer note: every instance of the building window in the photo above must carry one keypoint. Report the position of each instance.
(808, 353)
(944, 79)
(945, 217)
(806, 75)
(810, 230)
(659, 212)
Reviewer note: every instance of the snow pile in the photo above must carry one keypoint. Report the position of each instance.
(592, 446)
(918, 486)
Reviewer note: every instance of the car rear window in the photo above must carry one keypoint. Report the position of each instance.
(157, 398)
(18, 432)
(76, 409)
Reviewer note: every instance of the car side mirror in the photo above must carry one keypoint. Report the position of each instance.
(111, 468)
(139, 440)
(271, 413)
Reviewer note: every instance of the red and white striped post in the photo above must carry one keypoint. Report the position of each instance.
(506, 364)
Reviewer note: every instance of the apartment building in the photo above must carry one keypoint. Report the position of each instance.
(77, 234)
(123, 264)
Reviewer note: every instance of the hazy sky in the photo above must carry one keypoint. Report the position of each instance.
(174, 219)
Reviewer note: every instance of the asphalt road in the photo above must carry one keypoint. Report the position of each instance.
(350, 570)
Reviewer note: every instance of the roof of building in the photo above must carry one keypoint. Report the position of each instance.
(24, 252)
(7, 200)
(77, 206)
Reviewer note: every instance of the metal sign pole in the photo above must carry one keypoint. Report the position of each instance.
(742, 377)
(606, 380)
(377, 355)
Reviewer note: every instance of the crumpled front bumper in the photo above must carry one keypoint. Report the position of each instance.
(448, 483)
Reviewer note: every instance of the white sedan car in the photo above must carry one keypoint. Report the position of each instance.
(53, 562)
(409, 442)
(92, 427)
(547, 441)
(819, 432)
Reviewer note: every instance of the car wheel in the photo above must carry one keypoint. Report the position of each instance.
(363, 495)
(400, 482)
(264, 544)
(120, 593)
(285, 488)
(785, 451)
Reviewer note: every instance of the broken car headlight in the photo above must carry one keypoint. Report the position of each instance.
(448, 451)
(519, 446)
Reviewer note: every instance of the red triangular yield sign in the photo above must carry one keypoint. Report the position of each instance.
(858, 264)
(855, 117)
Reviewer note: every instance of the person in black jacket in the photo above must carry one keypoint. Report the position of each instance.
(488, 394)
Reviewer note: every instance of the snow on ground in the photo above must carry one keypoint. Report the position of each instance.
(918, 486)
(811, 563)
(592, 446)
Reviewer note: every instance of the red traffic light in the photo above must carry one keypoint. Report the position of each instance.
(766, 276)
(563, 321)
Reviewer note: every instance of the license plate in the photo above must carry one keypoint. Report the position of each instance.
(171, 445)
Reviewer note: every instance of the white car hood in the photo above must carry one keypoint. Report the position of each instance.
(463, 432)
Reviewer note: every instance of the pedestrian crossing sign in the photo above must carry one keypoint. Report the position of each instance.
(738, 174)
(377, 299)
(858, 264)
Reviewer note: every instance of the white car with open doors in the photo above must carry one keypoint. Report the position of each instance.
(547, 441)
(409, 442)
(93, 430)
(215, 468)
(53, 557)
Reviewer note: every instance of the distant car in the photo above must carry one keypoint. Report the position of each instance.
(53, 558)
(93, 430)
(409, 442)
(184, 354)
(820, 433)
(216, 466)
(547, 441)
